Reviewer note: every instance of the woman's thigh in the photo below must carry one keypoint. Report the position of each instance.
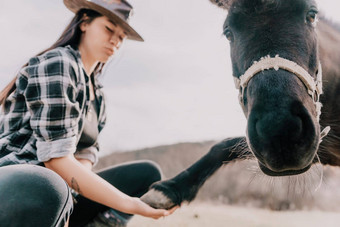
(132, 178)
(33, 196)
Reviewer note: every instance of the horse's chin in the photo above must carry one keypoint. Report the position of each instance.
(272, 173)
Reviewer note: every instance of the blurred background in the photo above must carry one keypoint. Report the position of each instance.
(172, 97)
(177, 86)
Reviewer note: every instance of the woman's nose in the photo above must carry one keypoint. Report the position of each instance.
(115, 41)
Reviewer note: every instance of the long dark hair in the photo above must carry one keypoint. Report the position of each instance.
(70, 36)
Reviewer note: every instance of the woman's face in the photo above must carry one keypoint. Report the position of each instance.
(101, 38)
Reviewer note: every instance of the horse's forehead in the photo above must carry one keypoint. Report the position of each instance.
(254, 7)
(269, 3)
(306, 2)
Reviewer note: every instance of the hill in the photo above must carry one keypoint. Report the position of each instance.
(172, 158)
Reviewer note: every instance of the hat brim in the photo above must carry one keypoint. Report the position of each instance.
(76, 5)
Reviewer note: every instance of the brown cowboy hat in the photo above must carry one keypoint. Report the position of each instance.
(118, 11)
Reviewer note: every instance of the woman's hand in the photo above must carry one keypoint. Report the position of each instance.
(147, 211)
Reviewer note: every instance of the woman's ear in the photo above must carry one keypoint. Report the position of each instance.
(84, 24)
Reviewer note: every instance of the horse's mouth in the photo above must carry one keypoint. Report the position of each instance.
(272, 173)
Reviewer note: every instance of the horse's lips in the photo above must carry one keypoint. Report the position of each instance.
(269, 172)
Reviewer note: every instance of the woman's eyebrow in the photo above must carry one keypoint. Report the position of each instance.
(112, 22)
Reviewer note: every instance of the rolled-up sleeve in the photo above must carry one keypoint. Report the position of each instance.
(89, 153)
(55, 149)
(51, 97)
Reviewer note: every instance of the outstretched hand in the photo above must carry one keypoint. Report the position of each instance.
(148, 211)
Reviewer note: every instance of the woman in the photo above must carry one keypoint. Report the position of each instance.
(52, 113)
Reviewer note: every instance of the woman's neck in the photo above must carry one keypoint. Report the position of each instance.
(88, 61)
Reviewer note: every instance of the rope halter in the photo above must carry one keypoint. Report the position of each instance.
(314, 87)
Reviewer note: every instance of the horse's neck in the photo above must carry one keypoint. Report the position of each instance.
(329, 40)
(329, 52)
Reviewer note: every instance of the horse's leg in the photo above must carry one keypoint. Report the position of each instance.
(184, 187)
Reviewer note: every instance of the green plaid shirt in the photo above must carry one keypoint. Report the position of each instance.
(43, 118)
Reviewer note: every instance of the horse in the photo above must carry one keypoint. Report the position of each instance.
(286, 65)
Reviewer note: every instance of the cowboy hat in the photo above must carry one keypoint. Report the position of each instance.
(118, 11)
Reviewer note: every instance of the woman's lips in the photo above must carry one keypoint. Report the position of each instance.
(109, 51)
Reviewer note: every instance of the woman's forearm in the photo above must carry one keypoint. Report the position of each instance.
(85, 162)
(91, 186)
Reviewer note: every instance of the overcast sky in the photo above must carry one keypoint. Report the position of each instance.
(176, 86)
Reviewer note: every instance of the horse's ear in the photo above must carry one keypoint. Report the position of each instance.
(224, 4)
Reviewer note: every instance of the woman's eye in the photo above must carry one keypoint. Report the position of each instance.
(312, 16)
(109, 29)
(228, 34)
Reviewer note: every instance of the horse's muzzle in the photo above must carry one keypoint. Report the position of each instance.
(282, 133)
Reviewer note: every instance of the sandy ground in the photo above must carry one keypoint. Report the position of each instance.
(211, 215)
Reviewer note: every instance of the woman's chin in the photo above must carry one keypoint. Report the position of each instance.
(105, 59)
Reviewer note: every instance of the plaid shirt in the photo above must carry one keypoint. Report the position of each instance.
(44, 117)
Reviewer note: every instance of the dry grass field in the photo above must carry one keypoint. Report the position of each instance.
(218, 215)
(239, 195)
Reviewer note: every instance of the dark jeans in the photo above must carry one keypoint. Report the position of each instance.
(35, 196)
(132, 178)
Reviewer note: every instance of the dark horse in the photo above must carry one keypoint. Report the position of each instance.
(277, 50)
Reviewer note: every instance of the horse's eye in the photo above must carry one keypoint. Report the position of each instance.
(311, 16)
(228, 34)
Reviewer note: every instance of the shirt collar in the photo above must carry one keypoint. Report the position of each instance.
(76, 53)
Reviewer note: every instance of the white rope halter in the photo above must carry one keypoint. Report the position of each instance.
(314, 87)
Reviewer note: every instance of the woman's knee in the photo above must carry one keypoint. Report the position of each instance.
(27, 190)
(152, 170)
(146, 172)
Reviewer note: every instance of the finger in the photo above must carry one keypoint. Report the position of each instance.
(162, 212)
(158, 216)
(157, 213)
(168, 212)
(172, 210)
